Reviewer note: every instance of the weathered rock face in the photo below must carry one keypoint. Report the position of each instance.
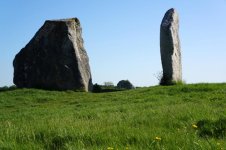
(170, 48)
(54, 59)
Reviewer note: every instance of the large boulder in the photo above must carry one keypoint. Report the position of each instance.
(170, 48)
(54, 59)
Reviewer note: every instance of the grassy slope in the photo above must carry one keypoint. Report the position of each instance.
(37, 119)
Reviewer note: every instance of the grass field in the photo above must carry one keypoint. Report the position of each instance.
(173, 117)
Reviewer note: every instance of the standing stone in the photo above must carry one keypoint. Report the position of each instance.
(54, 59)
(170, 48)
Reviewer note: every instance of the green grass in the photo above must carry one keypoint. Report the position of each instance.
(38, 119)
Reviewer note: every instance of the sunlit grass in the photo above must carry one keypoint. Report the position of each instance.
(145, 118)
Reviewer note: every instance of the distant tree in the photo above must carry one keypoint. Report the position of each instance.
(125, 84)
(162, 80)
(108, 84)
(159, 76)
(4, 88)
(97, 88)
(8, 88)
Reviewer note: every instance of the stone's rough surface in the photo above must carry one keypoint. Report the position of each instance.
(170, 48)
(125, 84)
(54, 59)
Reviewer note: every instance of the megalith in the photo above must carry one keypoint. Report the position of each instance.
(170, 48)
(54, 59)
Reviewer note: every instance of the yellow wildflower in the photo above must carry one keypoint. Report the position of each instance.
(194, 126)
(158, 138)
(110, 148)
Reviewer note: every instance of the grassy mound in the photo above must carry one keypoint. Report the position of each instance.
(172, 117)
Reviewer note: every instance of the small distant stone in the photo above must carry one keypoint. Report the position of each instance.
(54, 59)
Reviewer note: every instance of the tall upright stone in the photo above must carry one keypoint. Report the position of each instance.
(54, 59)
(170, 48)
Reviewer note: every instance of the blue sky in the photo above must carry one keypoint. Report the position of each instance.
(122, 36)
